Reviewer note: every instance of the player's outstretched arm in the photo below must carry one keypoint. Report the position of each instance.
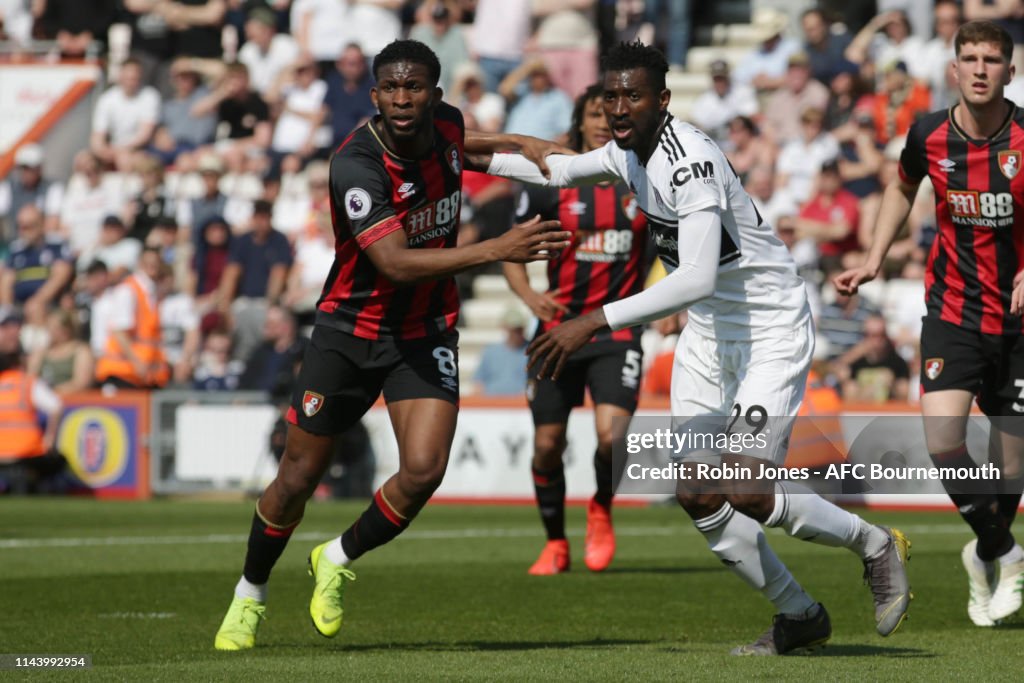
(480, 146)
(565, 171)
(897, 201)
(534, 240)
(693, 280)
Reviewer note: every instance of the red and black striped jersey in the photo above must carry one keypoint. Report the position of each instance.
(979, 205)
(374, 193)
(605, 261)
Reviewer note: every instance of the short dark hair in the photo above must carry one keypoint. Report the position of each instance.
(412, 51)
(263, 207)
(636, 55)
(984, 32)
(575, 135)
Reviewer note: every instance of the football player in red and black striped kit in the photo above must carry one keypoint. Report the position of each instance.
(385, 323)
(604, 263)
(971, 343)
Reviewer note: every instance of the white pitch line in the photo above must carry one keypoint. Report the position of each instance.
(429, 535)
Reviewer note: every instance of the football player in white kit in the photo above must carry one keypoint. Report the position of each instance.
(746, 350)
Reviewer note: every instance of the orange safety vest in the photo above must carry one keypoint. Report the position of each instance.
(20, 433)
(145, 344)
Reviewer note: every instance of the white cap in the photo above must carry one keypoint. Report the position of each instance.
(29, 155)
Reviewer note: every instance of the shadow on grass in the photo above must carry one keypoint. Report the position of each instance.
(485, 645)
(872, 651)
(661, 570)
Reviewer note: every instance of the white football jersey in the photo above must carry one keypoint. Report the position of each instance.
(758, 293)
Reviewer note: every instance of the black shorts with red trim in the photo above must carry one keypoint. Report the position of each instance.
(612, 375)
(343, 375)
(991, 366)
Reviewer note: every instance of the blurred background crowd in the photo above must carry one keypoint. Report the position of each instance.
(205, 178)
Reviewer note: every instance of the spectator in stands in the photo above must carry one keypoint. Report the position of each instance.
(76, 24)
(841, 323)
(853, 14)
(824, 48)
(131, 356)
(748, 149)
(348, 93)
(846, 92)
(209, 263)
(216, 371)
(566, 39)
(677, 25)
(151, 42)
(90, 196)
(181, 131)
(37, 268)
(899, 102)
(115, 248)
(272, 364)
(196, 30)
(716, 108)
(242, 114)
(17, 22)
(26, 185)
(502, 369)
(193, 214)
(66, 362)
(255, 276)
(179, 327)
(540, 109)
(28, 462)
(125, 118)
(500, 30)
(314, 247)
(92, 301)
(437, 27)
(830, 218)
(860, 155)
(765, 67)
(154, 201)
(374, 23)
(266, 52)
(885, 40)
(173, 251)
(771, 202)
(484, 111)
(321, 28)
(297, 97)
(938, 54)
(1006, 13)
(799, 92)
(802, 158)
(872, 370)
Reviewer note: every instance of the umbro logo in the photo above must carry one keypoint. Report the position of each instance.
(406, 190)
(947, 165)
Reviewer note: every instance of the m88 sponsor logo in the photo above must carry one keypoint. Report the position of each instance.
(433, 220)
(984, 209)
(604, 245)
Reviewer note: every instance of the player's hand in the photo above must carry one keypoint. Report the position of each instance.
(1017, 297)
(534, 240)
(849, 281)
(544, 305)
(537, 150)
(549, 352)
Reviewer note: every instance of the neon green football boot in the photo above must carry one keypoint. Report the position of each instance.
(238, 630)
(325, 607)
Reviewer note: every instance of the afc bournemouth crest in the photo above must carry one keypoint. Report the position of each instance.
(312, 402)
(453, 159)
(933, 368)
(1009, 163)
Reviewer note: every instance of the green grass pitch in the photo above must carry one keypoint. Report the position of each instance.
(451, 600)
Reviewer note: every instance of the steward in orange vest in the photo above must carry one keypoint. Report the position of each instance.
(20, 433)
(132, 356)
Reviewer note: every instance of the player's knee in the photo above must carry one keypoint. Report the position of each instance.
(421, 481)
(296, 479)
(698, 506)
(753, 504)
(605, 443)
(548, 449)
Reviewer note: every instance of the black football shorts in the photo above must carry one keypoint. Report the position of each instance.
(613, 377)
(343, 375)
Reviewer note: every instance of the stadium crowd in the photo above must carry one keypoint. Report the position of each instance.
(203, 187)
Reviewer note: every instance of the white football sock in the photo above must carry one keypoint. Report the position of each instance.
(804, 514)
(1016, 554)
(336, 554)
(739, 542)
(256, 591)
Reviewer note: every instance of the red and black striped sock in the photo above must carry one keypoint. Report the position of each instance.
(378, 524)
(549, 486)
(266, 543)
